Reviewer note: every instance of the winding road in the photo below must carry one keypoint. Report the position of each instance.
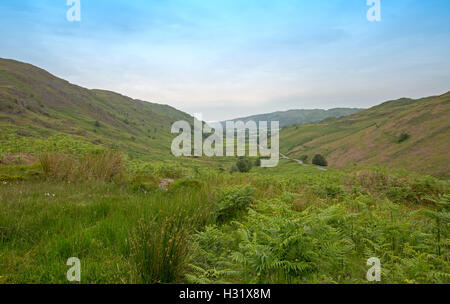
(301, 162)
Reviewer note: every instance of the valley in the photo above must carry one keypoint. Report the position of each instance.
(81, 173)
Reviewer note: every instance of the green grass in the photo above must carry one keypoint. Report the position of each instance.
(43, 224)
(290, 224)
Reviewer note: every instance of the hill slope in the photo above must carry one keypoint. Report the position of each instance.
(372, 136)
(300, 117)
(35, 105)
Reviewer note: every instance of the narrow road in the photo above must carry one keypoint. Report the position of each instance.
(301, 162)
(298, 161)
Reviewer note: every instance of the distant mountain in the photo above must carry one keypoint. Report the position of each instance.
(299, 117)
(35, 106)
(407, 133)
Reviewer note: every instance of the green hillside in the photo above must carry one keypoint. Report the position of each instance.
(300, 117)
(374, 137)
(39, 111)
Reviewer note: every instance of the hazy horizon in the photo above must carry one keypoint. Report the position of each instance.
(228, 59)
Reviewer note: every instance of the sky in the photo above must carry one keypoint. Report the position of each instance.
(233, 58)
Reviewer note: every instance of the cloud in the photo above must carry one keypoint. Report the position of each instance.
(233, 58)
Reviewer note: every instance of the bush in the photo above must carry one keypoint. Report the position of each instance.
(319, 160)
(258, 162)
(233, 201)
(403, 137)
(244, 165)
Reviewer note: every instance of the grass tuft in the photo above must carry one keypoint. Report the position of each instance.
(105, 166)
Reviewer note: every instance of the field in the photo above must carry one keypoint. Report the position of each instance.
(290, 224)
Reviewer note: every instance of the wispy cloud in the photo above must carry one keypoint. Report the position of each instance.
(228, 58)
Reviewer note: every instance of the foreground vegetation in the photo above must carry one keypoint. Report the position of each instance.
(290, 224)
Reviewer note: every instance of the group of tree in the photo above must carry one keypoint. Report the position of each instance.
(318, 160)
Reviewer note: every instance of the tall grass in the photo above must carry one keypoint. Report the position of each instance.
(160, 247)
(160, 243)
(105, 166)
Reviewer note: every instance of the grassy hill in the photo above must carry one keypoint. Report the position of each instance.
(374, 136)
(300, 117)
(39, 111)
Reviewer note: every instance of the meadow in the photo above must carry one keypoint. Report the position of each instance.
(289, 224)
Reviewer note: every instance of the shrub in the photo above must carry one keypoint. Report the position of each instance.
(258, 162)
(233, 201)
(244, 165)
(304, 158)
(403, 137)
(319, 160)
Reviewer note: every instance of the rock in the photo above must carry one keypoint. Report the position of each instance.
(165, 183)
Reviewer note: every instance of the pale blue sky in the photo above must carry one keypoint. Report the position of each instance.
(230, 58)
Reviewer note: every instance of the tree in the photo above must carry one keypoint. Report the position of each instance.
(319, 160)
